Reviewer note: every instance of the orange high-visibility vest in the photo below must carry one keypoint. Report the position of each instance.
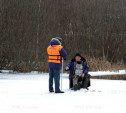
(53, 53)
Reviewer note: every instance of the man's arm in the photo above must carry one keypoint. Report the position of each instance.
(86, 67)
(68, 66)
(63, 53)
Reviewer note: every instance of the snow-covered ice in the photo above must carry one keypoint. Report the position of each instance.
(28, 93)
(108, 73)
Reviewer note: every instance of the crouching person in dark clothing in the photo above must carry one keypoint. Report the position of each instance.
(79, 77)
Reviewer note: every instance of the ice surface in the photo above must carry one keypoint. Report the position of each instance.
(28, 93)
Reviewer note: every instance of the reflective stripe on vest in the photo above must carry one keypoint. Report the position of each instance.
(53, 53)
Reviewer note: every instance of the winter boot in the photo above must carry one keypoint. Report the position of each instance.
(59, 91)
(52, 91)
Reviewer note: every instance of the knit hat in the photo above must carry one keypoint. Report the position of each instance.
(78, 54)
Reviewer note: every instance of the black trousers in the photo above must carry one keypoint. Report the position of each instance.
(80, 79)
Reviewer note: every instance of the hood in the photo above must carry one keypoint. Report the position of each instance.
(55, 42)
(82, 59)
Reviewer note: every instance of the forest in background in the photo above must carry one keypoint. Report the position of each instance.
(94, 28)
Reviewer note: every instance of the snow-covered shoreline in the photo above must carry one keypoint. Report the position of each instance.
(120, 72)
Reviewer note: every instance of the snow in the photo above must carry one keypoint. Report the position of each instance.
(28, 93)
(108, 73)
(92, 73)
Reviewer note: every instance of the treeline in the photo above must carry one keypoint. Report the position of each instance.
(95, 28)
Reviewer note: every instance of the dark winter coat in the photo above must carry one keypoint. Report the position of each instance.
(72, 70)
(71, 66)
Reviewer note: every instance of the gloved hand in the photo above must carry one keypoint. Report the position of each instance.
(67, 68)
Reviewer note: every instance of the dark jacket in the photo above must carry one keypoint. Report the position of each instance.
(62, 53)
(71, 66)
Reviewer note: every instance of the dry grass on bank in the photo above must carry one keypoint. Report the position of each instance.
(102, 64)
(95, 64)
